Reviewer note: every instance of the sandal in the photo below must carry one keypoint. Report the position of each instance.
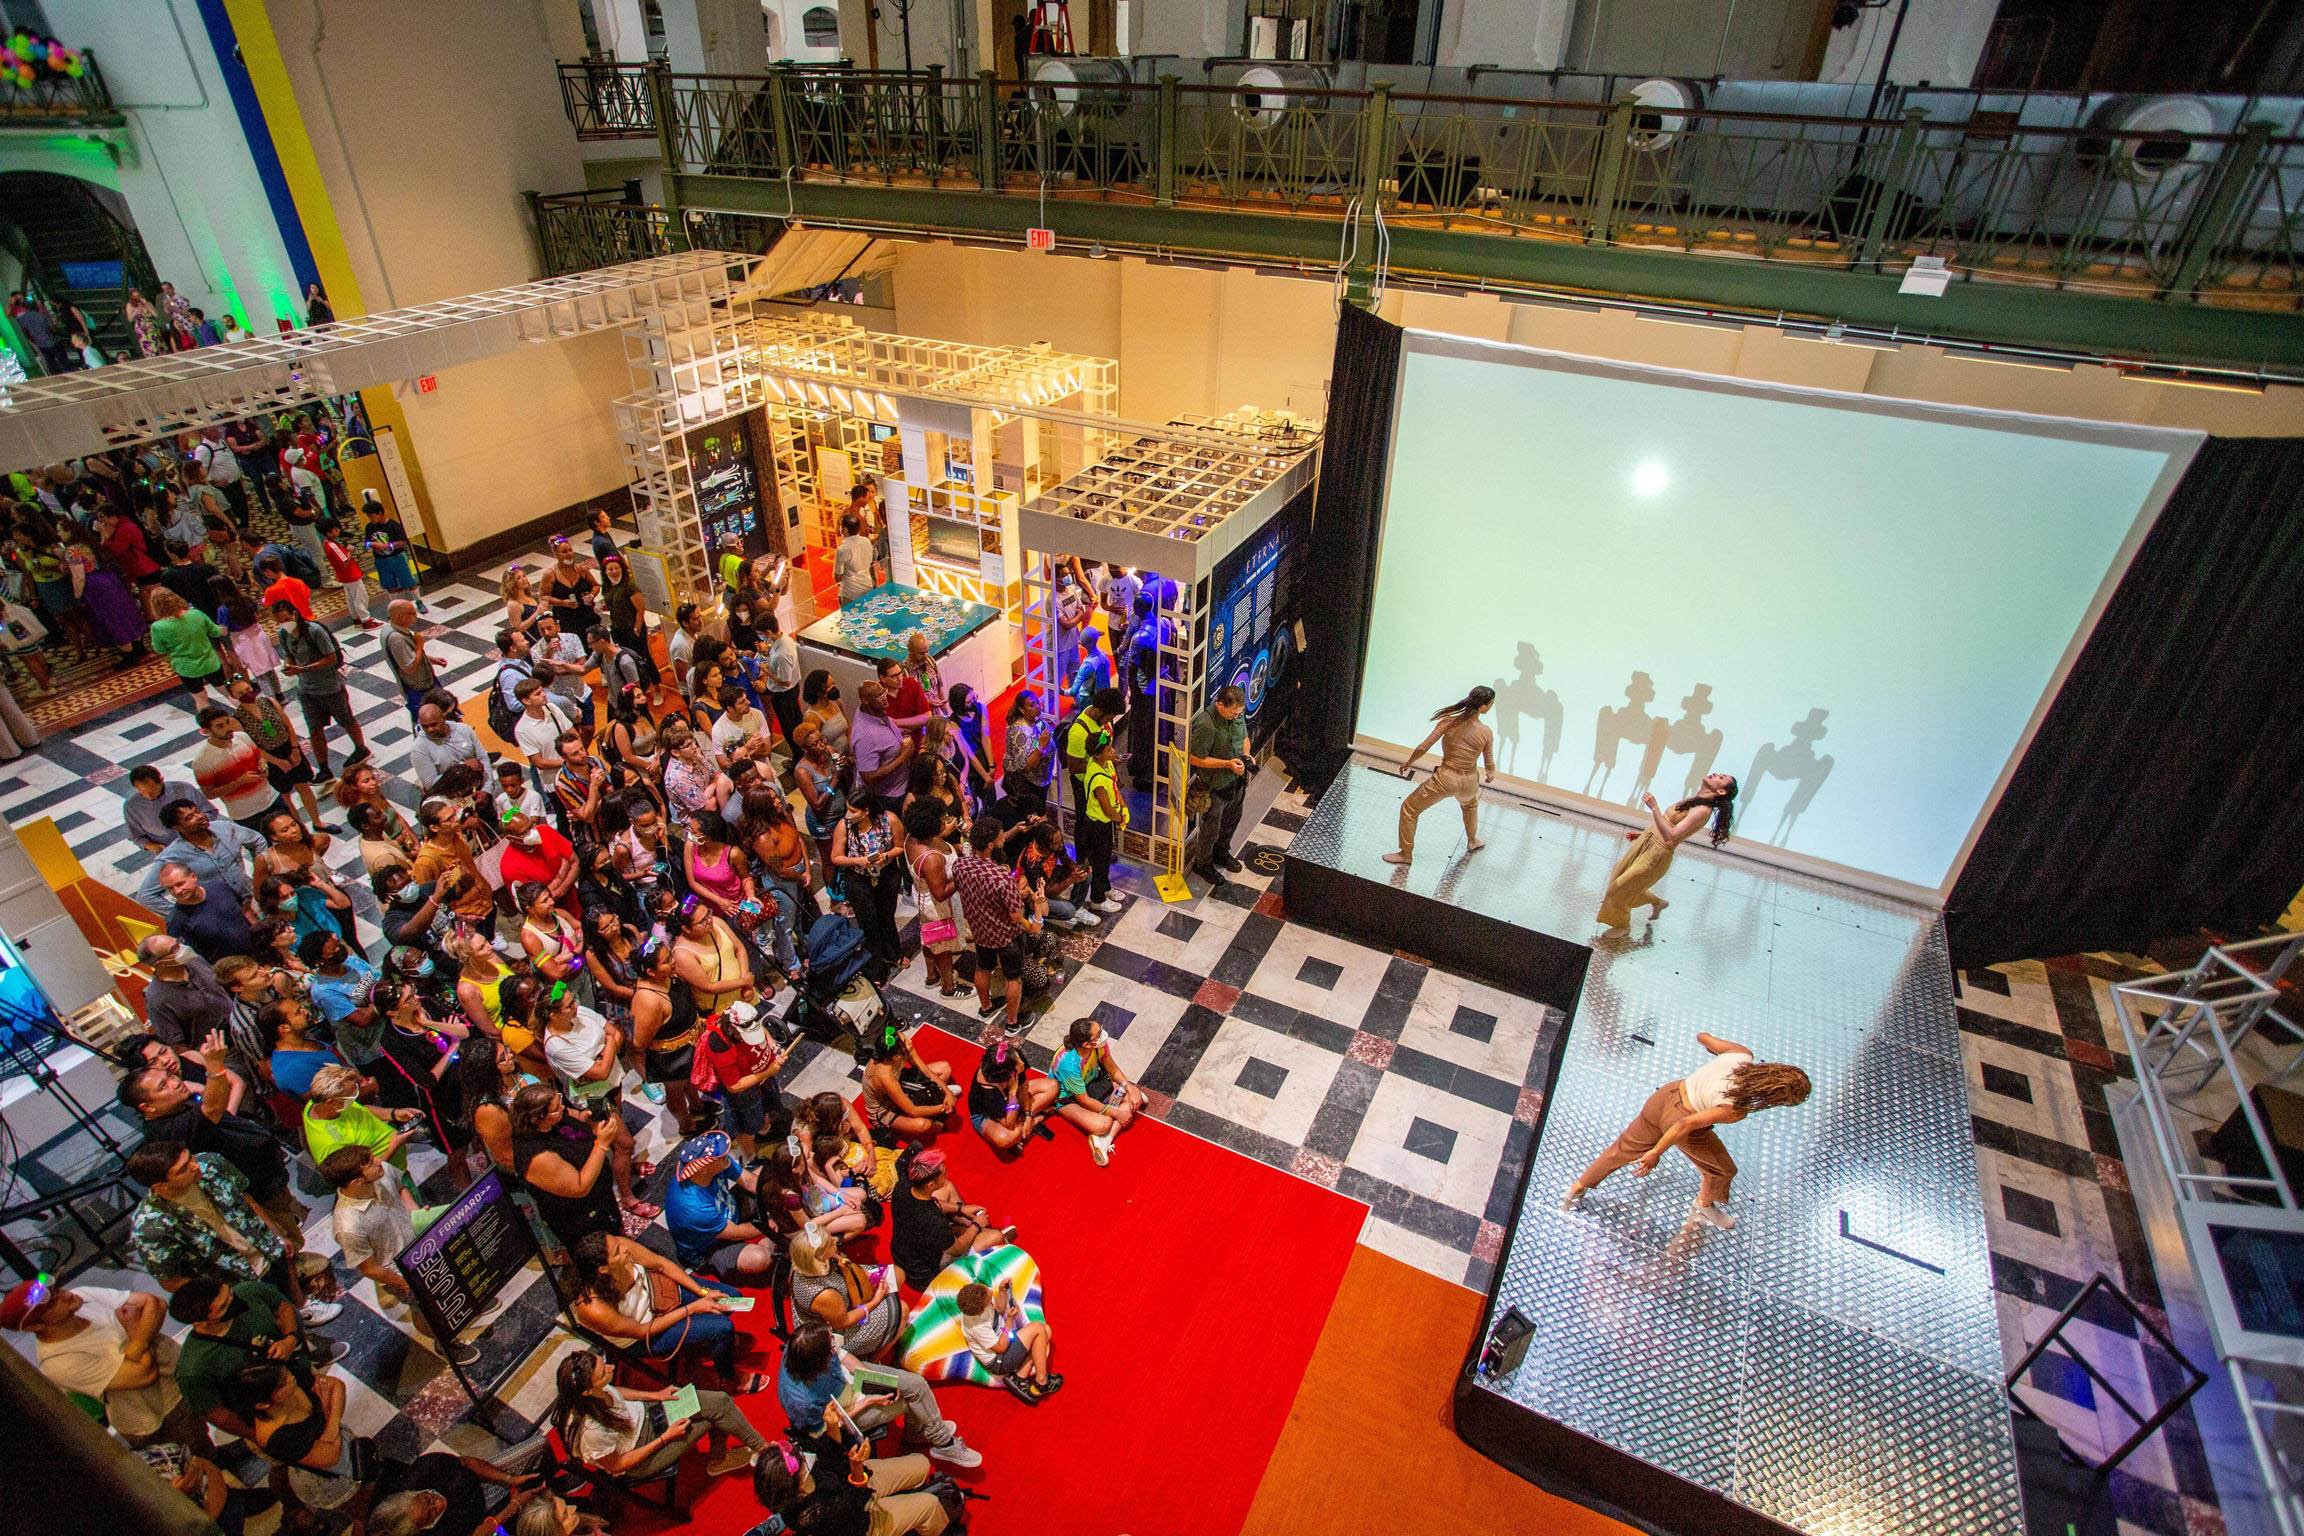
(644, 1210)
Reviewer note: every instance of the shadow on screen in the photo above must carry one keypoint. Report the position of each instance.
(1524, 698)
(1685, 736)
(1618, 724)
(1797, 761)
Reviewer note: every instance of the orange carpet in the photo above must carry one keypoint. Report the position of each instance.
(1368, 1447)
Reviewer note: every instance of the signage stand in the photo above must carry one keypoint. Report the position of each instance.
(462, 1263)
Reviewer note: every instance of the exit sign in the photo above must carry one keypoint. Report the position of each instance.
(428, 383)
(1039, 239)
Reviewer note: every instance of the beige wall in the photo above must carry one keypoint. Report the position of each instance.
(426, 149)
(1196, 339)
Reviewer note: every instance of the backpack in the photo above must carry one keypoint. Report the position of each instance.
(835, 952)
(300, 564)
(503, 719)
(643, 667)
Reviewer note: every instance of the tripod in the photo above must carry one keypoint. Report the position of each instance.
(20, 1057)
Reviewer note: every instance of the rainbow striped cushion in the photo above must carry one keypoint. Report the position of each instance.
(933, 1343)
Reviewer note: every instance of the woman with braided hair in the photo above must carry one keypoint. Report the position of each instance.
(1631, 882)
(1683, 1113)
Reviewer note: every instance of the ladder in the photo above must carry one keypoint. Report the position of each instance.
(1051, 27)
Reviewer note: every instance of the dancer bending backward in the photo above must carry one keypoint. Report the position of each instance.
(1465, 745)
(1683, 1113)
(1631, 882)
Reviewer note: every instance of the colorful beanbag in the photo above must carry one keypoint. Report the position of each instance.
(933, 1343)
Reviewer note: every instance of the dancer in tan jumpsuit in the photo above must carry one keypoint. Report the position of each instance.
(1465, 746)
(1632, 881)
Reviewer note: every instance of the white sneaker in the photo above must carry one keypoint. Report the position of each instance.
(956, 1452)
(1715, 1215)
(1112, 902)
(1083, 918)
(316, 1313)
(1100, 1148)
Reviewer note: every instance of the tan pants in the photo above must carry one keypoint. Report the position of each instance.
(1429, 794)
(1631, 882)
(1666, 1108)
(895, 1511)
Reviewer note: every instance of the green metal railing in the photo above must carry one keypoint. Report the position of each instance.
(61, 101)
(2213, 219)
(582, 230)
(607, 100)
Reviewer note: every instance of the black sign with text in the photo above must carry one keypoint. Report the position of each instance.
(468, 1255)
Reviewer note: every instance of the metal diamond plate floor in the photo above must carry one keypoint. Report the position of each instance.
(1833, 1362)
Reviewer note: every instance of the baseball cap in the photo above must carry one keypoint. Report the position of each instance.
(701, 1149)
(26, 1298)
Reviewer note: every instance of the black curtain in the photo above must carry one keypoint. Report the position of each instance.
(2165, 789)
(1340, 569)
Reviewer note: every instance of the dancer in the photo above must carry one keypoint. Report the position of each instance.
(1681, 1114)
(1644, 863)
(1465, 746)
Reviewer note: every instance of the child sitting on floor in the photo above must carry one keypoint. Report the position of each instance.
(1012, 1349)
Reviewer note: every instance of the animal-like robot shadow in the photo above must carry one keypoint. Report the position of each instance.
(1798, 761)
(1631, 722)
(1526, 698)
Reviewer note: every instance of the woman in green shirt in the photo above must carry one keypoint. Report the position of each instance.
(335, 1118)
(189, 640)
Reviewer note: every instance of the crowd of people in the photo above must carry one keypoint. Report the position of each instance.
(60, 337)
(622, 892)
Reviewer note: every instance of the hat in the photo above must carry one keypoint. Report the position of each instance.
(698, 1150)
(926, 1165)
(20, 1302)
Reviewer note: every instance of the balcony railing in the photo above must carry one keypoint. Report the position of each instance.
(607, 100)
(2207, 218)
(60, 101)
(582, 230)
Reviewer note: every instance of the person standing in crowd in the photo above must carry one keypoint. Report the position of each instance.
(882, 752)
(344, 566)
(232, 770)
(992, 900)
(1466, 745)
(442, 743)
(209, 915)
(1216, 751)
(375, 1219)
(1632, 882)
(852, 564)
(189, 641)
(198, 1217)
(149, 796)
(183, 1002)
(317, 310)
(1104, 816)
(1683, 1114)
(1028, 766)
(312, 656)
(413, 667)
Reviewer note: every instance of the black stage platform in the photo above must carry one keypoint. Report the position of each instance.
(1832, 1364)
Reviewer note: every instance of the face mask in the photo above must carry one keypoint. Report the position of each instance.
(413, 894)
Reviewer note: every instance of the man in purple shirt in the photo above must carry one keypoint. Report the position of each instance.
(883, 753)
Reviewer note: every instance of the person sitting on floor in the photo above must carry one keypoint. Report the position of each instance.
(860, 1305)
(1004, 1105)
(622, 1433)
(836, 1199)
(1095, 1094)
(637, 1299)
(903, 1094)
(1012, 1348)
(700, 1210)
(932, 1226)
(887, 1503)
(819, 1386)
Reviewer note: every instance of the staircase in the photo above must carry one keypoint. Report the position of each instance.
(75, 250)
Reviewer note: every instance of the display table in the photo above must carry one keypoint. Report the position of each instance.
(969, 641)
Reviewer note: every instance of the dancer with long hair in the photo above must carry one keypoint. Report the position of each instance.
(1466, 745)
(1683, 1113)
(1631, 883)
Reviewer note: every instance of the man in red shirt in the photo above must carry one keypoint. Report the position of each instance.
(231, 771)
(533, 852)
(280, 587)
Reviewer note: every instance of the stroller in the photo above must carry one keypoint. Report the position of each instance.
(838, 999)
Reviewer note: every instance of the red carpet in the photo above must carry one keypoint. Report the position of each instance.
(1187, 1286)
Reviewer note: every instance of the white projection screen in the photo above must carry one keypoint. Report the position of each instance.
(1857, 606)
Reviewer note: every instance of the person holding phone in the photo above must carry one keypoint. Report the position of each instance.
(1005, 1342)
(1216, 750)
(825, 1392)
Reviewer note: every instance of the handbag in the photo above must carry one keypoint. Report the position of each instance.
(939, 930)
(1197, 798)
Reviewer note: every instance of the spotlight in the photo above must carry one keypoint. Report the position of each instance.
(1507, 1345)
(1651, 477)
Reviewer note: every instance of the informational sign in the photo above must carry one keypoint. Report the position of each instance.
(395, 472)
(1251, 629)
(468, 1255)
(1039, 239)
(835, 474)
(727, 484)
(652, 574)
